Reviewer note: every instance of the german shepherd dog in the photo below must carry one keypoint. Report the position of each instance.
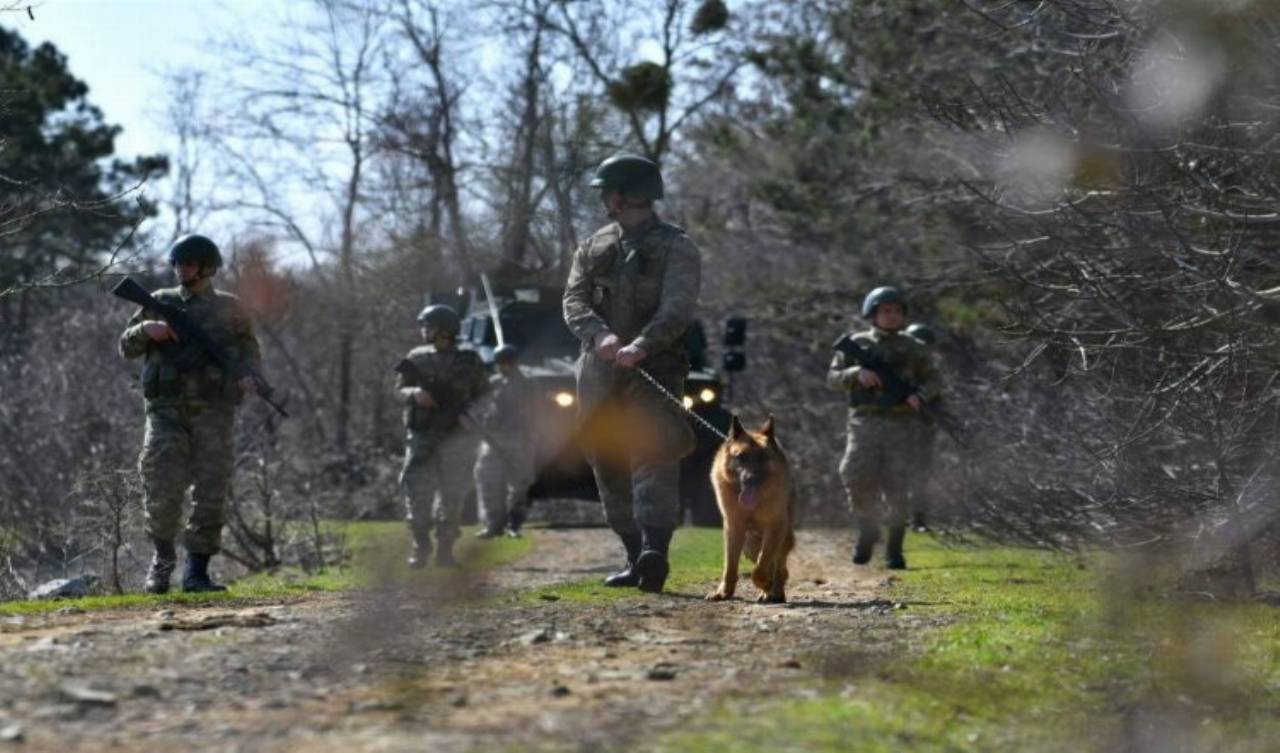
(757, 498)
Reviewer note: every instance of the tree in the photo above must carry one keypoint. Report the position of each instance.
(61, 204)
(307, 122)
(660, 63)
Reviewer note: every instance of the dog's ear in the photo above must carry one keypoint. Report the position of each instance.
(766, 428)
(736, 431)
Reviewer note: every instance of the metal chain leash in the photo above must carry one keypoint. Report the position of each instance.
(680, 404)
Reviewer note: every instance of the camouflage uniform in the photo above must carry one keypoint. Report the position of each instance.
(643, 286)
(881, 455)
(439, 451)
(505, 468)
(190, 413)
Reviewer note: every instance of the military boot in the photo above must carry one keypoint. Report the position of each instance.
(163, 563)
(195, 578)
(868, 535)
(420, 554)
(514, 523)
(488, 533)
(652, 565)
(444, 551)
(893, 558)
(627, 577)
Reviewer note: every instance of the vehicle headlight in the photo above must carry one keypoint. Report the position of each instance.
(707, 395)
(564, 399)
(688, 401)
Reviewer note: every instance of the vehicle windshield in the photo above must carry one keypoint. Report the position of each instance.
(537, 329)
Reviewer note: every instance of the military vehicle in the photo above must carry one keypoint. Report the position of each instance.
(532, 320)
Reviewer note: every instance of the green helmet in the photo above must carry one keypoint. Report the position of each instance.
(880, 296)
(195, 248)
(441, 319)
(633, 175)
(924, 333)
(506, 354)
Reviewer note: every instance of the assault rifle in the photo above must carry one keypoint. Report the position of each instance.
(194, 347)
(895, 388)
(448, 403)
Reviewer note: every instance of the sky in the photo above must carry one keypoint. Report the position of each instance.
(120, 48)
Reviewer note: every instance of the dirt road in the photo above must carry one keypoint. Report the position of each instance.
(468, 662)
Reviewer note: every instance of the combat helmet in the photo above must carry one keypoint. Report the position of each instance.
(506, 354)
(924, 333)
(440, 319)
(631, 174)
(882, 295)
(195, 248)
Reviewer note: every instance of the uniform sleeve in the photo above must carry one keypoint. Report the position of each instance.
(134, 342)
(486, 407)
(681, 281)
(479, 385)
(841, 376)
(583, 321)
(404, 390)
(930, 378)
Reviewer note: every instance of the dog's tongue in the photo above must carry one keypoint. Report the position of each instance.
(749, 497)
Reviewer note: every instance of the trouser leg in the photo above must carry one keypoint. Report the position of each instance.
(457, 457)
(491, 488)
(212, 463)
(164, 465)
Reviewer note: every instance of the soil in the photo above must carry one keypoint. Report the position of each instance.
(465, 662)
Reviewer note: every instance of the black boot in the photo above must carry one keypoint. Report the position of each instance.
(420, 554)
(444, 551)
(893, 558)
(868, 535)
(195, 579)
(627, 577)
(514, 523)
(652, 565)
(163, 563)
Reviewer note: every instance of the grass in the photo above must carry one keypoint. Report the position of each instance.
(373, 547)
(1035, 655)
(695, 562)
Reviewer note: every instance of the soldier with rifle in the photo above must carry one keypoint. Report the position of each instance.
(436, 383)
(890, 380)
(200, 359)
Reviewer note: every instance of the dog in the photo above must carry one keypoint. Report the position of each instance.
(757, 497)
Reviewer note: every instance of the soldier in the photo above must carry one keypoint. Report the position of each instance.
(880, 454)
(928, 435)
(190, 413)
(630, 297)
(505, 468)
(436, 382)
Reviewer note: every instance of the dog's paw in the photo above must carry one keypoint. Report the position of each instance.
(718, 595)
(770, 599)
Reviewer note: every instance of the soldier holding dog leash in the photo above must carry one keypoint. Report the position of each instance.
(630, 297)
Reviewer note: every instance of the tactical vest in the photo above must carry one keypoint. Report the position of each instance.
(182, 371)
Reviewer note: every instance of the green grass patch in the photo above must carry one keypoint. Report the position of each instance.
(374, 549)
(696, 555)
(1036, 655)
